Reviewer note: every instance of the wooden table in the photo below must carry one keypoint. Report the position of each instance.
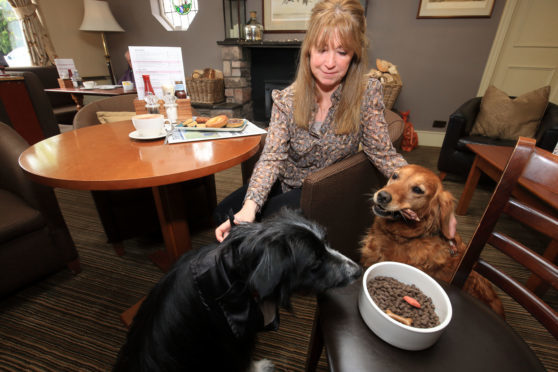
(103, 157)
(491, 160)
(77, 94)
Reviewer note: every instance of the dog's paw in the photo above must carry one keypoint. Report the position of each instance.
(263, 365)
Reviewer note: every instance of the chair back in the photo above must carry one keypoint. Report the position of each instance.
(88, 114)
(538, 168)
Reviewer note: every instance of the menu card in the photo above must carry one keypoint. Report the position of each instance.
(63, 65)
(162, 64)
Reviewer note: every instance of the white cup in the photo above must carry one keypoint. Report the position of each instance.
(89, 84)
(149, 125)
(127, 86)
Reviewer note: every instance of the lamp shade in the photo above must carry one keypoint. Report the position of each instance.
(98, 17)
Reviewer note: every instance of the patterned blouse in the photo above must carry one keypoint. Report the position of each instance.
(291, 153)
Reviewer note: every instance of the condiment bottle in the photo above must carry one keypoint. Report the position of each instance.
(147, 88)
(179, 90)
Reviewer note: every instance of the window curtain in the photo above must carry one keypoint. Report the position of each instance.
(40, 46)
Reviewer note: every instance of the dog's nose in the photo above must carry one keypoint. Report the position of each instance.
(383, 197)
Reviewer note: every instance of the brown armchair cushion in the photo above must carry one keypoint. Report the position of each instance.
(508, 118)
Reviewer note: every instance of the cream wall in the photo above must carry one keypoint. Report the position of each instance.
(63, 18)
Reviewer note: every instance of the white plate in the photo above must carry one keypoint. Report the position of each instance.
(107, 86)
(135, 135)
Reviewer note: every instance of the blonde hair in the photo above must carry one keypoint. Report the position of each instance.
(334, 19)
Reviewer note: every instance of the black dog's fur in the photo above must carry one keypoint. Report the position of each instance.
(204, 314)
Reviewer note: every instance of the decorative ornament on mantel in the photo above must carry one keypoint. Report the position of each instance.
(182, 7)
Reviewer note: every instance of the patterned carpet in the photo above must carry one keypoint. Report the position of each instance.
(71, 323)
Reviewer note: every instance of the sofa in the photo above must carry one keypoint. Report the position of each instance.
(455, 158)
(63, 106)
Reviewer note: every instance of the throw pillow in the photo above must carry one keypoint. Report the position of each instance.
(508, 118)
(112, 116)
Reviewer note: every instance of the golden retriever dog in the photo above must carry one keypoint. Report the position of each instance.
(415, 224)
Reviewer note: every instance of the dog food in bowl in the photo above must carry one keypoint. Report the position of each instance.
(394, 331)
(396, 297)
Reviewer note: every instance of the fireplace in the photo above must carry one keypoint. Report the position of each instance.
(253, 69)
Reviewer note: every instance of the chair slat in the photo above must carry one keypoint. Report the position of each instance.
(537, 307)
(533, 218)
(529, 259)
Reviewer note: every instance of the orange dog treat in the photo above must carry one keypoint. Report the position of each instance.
(411, 301)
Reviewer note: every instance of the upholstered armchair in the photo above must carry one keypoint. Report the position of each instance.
(456, 158)
(34, 238)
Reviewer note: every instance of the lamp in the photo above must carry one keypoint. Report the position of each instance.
(98, 17)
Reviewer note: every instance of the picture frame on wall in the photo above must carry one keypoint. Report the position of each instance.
(455, 8)
(290, 16)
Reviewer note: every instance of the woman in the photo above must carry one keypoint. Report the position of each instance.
(320, 119)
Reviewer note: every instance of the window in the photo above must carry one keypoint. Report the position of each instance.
(12, 40)
(174, 15)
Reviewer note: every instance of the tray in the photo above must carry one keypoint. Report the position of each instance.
(224, 129)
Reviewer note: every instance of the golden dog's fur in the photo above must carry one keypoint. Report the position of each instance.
(415, 224)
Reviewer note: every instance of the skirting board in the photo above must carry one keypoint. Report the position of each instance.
(430, 138)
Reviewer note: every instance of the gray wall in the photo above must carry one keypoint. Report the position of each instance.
(441, 61)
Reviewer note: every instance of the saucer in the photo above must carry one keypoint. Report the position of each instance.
(135, 135)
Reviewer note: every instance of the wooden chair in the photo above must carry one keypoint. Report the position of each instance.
(477, 338)
(527, 164)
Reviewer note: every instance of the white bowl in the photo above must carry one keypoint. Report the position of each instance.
(392, 331)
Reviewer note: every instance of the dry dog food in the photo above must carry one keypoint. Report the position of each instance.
(389, 294)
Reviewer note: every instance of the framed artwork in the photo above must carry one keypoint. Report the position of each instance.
(286, 16)
(455, 8)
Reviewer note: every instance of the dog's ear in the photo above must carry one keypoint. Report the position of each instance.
(267, 278)
(448, 222)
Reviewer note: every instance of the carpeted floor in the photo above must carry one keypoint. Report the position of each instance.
(71, 323)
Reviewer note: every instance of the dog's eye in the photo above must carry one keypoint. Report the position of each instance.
(394, 176)
(417, 190)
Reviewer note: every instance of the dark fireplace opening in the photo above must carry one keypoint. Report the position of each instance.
(277, 68)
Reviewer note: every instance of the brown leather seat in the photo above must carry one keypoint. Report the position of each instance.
(34, 238)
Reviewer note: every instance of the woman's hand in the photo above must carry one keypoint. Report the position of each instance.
(246, 214)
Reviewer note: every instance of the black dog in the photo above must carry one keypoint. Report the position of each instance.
(204, 314)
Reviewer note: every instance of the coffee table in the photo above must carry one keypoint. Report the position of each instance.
(491, 160)
(77, 93)
(103, 157)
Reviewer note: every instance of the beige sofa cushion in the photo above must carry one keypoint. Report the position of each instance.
(112, 116)
(508, 118)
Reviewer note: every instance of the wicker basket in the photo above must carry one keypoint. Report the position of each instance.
(391, 90)
(204, 90)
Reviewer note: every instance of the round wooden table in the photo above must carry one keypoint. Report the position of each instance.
(103, 157)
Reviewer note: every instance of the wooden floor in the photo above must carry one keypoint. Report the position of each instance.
(71, 323)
